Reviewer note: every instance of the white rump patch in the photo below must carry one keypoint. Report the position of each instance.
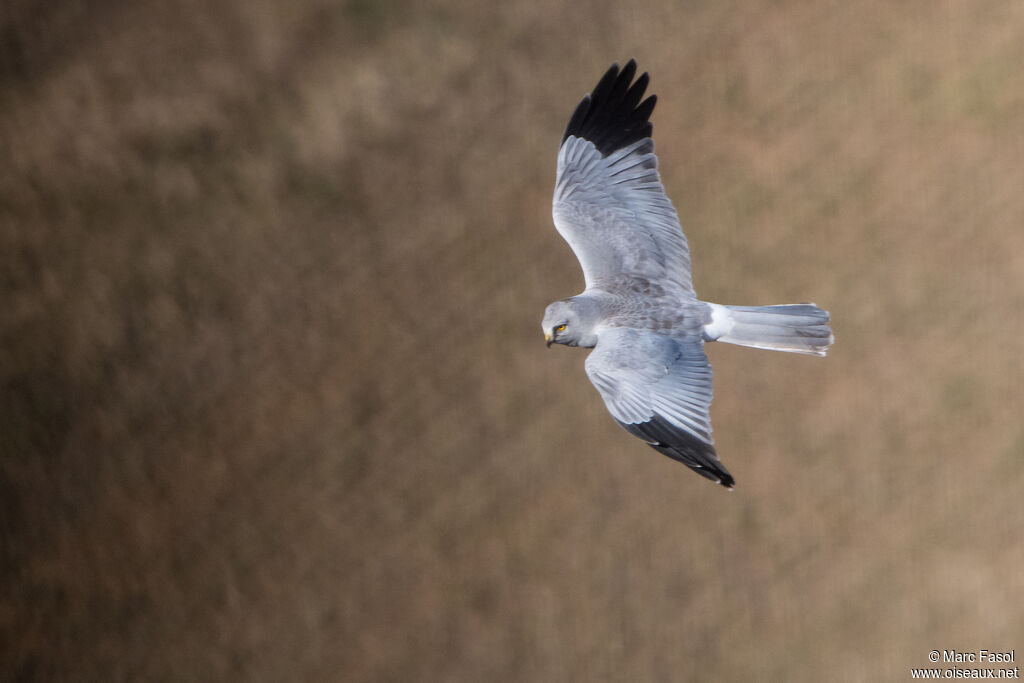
(721, 323)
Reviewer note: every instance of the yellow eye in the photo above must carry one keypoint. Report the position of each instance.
(560, 328)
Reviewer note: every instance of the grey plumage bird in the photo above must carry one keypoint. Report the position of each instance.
(639, 311)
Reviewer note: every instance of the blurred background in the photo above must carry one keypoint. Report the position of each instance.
(275, 401)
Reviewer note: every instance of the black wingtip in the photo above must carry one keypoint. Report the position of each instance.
(682, 446)
(612, 116)
(715, 472)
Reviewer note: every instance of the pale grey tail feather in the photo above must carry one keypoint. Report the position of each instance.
(798, 328)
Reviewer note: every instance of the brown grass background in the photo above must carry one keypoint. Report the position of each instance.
(275, 403)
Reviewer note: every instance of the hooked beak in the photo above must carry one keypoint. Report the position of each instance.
(548, 339)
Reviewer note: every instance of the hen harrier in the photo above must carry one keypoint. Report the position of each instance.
(639, 311)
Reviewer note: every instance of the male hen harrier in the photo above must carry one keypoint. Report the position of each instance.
(639, 311)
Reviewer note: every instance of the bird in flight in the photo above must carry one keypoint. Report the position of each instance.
(639, 312)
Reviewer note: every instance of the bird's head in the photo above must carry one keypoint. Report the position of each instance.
(562, 324)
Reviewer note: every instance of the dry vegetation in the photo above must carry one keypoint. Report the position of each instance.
(275, 404)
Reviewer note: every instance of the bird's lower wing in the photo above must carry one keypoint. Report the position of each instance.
(659, 389)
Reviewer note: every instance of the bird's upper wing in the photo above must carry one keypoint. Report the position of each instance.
(609, 203)
(659, 389)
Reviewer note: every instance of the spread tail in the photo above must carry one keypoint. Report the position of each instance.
(799, 328)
